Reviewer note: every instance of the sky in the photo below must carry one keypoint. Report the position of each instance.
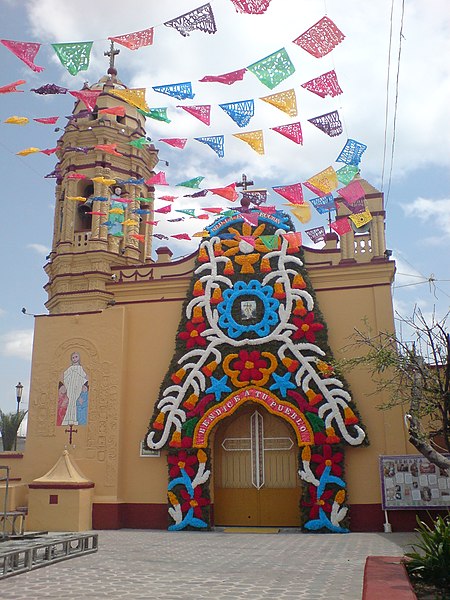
(395, 77)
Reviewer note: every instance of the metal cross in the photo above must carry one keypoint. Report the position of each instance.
(71, 431)
(112, 52)
(244, 183)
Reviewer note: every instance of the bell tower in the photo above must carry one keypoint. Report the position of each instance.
(103, 208)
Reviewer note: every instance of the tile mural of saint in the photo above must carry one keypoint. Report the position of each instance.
(73, 394)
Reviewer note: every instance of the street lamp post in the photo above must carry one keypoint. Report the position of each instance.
(19, 390)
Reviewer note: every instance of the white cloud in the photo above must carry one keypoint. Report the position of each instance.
(2, 312)
(39, 248)
(17, 343)
(436, 213)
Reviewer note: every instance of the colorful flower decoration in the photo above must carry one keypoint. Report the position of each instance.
(328, 459)
(249, 366)
(306, 328)
(181, 461)
(195, 501)
(316, 502)
(253, 289)
(192, 334)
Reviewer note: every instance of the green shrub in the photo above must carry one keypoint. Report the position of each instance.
(430, 560)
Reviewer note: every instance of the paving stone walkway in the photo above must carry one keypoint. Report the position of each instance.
(161, 565)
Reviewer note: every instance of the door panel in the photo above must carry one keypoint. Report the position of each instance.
(255, 471)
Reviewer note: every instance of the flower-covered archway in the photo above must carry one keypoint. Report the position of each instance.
(251, 329)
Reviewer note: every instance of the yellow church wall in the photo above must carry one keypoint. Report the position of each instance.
(345, 308)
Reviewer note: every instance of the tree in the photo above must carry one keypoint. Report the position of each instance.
(415, 374)
(9, 426)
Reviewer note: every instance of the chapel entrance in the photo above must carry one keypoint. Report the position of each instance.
(255, 471)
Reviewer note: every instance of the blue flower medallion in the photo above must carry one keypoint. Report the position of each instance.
(260, 323)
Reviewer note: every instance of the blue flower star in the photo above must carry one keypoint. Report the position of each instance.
(283, 384)
(218, 387)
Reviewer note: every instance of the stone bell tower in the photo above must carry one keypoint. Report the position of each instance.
(100, 170)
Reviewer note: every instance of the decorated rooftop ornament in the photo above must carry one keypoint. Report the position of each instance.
(321, 38)
(135, 97)
(108, 148)
(216, 142)
(26, 51)
(341, 226)
(158, 114)
(293, 193)
(316, 234)
(15, 120)
(251, 7)
(177, 220)
(293, 131)
(160, 236)
(273, 69)
(285, 101)
(229, 192)
(324, 85)
(352, 192)
(241, 112)
(88, 97)
(191, 183)
(352, 152)
(164, 209)
(154, 223)
(181, 236)
(175, 142)
(130, 222)
(201, 19)
(326, 180)
(201, 112)
(323, 204)
(212, 209)
(329, 123)
(12, 87)
(313, 189)
(254, 139)
(347, 173)
(270, 210)
(28, 151)
(361, 218)
(74, 56)
(167, 198)
(140, 142)
(227, 78)
(157, 179)
(112, 110)
(301, 211)
(251, 218)
(135, 40)
(138, 236)
(46, 120)
(176, 90)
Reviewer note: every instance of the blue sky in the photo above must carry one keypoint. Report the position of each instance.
(418, 204)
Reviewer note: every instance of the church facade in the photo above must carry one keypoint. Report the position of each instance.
(199, 392)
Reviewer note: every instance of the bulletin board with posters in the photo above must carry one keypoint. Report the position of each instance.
(411, 481)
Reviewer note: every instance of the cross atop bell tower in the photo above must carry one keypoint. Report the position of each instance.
(112, 53)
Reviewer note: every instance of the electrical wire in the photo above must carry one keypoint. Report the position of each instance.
(386, 115)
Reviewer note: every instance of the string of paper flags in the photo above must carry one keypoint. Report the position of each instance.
(319, 40)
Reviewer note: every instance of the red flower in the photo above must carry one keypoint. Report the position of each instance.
(306, 328)
(181, 460)
(315, 503)
(250, 364)
(328, 459)
(192, 334)
(196, 502)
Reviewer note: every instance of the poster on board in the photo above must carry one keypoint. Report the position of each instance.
(411, 481)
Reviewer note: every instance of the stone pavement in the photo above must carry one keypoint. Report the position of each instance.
(161, 565)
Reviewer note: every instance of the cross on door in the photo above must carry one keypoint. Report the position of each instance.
(257, 444)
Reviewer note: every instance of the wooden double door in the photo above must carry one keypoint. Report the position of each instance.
(255, 471)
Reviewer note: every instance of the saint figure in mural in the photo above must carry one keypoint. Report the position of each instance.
(73, 393)
(116, 219)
